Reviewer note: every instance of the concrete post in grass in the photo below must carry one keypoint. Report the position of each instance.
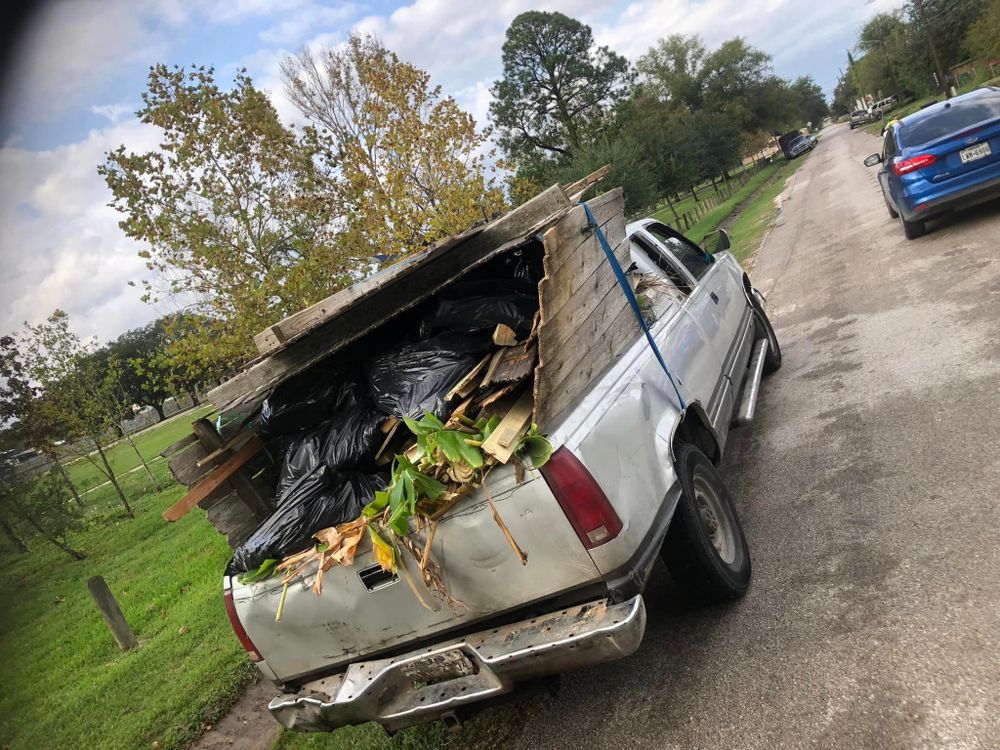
(112, 613)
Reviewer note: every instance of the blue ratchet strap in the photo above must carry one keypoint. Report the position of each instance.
(633, 302)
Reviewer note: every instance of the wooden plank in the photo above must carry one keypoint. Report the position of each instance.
(494, 364)
(112, 613)
(577, 376)
(497, 232)
(228, 514)
(516, 363)
(240, 480)
(574, 230)
(585, 320)
(237, 536)
(205, 487)
(586, 182)
(563, 280)
(503, 440)
(184, 466)
(468, 384)
(250, 387)
(180, 445)
(233, 442)
(504, 335)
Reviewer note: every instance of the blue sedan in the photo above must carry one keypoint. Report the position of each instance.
(944, 157)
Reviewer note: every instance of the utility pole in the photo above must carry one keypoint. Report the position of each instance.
(892, 70)
(942, 80)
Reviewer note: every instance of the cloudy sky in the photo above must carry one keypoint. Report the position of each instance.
(80, 68)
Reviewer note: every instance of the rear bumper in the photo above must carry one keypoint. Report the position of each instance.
(381, 691)
(962, 198)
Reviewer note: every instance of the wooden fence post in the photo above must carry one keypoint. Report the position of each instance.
(112, 613)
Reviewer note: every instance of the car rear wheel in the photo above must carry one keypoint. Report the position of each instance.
(912, 229)
(892, 211)
(705, 549)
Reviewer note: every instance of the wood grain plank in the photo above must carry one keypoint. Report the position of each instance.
(219, 475)
(503, 440)
(249, 388)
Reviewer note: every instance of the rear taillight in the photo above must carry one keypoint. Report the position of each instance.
(241, 634)
(582, 499)
(905, 166)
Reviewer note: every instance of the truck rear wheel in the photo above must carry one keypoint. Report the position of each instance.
(763, 329)
(705, 550)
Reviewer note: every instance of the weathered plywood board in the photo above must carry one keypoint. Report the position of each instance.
(586, 323)
(387, 297)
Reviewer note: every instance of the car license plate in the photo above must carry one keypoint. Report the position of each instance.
(974, 152)
(441, 667)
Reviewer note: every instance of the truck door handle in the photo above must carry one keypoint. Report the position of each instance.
(715, 297)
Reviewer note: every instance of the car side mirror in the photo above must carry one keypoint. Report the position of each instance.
(723, 242)
(872, 160)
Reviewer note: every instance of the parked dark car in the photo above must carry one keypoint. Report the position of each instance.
(942, 158)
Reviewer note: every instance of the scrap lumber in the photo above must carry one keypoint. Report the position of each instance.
(180, 445)
(503, 440)
(504, 335)
(575, 190)
(494, 364)
(210, 440)
(340, 320)
(515, 364)
(381, 459)
(211, 482)
(580, 301)
(469, 383)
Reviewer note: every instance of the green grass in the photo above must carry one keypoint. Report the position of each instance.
(757, 216)
(68, 685)
(492, 729)
(121, 456)
(714, 218)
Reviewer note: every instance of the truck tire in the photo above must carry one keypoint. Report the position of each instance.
(705, 550)
(763, 329)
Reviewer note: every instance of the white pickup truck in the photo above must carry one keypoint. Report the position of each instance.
(633, 476)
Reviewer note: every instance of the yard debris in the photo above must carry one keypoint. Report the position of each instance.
(440, 412)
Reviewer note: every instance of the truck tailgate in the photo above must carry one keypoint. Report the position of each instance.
(357, 615)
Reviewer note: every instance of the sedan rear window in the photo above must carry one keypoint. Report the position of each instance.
(951, 121)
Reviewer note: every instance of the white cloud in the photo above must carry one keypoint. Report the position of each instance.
(113, 112)
(306, 21)
(62, 246)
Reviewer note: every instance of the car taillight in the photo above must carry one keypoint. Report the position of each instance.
(583, 501)
(905, 166)
(241, 634)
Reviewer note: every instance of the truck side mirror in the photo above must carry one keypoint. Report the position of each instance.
(723, 242)
(872, 160)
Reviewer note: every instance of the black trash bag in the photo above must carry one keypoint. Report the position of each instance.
(321, 499)
(303, 454)
(482, 305)
(352, 437)
(307, 400)
(414, 378)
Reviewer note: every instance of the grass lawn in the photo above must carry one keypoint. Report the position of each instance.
(493, 729)
(121, 456)
(748, 229)
(711, 221)
(67, 685)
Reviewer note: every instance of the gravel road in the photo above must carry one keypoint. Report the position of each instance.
(869, 488)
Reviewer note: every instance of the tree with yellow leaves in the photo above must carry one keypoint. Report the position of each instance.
(409, 165)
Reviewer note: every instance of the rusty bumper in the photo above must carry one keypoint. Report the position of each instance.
(426, 684)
